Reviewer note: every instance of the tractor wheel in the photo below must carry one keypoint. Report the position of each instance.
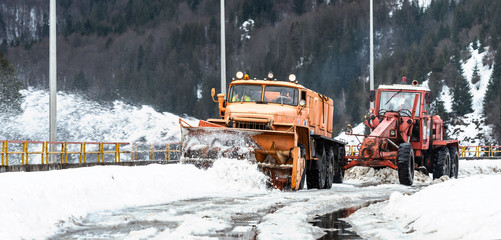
(453, 152)
(315, 177)
(338, 165)
(442, 163)
(405, 164)
(329, 168)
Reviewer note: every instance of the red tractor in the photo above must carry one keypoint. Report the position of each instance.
(405, 136)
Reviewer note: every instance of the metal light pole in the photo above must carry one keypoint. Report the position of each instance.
(52, 78)
(371, 78)
(223, 51)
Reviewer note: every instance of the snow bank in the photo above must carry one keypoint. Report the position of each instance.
(35, 204)
(464, 208)
(475, 167)
(368, 175)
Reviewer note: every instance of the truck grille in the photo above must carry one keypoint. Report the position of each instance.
(250, 125)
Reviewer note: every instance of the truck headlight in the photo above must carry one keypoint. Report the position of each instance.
(240, 75)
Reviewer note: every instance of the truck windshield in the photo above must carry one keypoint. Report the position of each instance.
(281, 95)
(245, 93)
(398, 100)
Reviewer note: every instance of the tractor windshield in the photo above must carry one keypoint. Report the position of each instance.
(281, 95)
(245, 93)
(397, 100)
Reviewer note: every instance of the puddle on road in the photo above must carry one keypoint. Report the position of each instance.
(335, 227)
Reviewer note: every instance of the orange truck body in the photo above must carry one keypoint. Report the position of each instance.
(287, 127)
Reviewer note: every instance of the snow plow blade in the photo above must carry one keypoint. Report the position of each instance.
(274, 152)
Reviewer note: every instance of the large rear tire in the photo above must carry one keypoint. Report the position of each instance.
(405, 164)
(442, 163)
(315, 177)
(329, 168)
(454, 155)
(339, 165)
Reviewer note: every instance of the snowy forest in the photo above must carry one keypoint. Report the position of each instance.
(166, 53)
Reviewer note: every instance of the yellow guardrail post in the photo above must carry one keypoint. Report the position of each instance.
(62, 155)
(47, 152)
(43, 149)
(101, 151)
(168, 151)
(117, 148)
(7, 153)
(81, 151)
(84, 152)
(65, 144)
(25, 152)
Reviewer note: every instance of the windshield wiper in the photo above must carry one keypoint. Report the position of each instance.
(262, 102)
(399, 91)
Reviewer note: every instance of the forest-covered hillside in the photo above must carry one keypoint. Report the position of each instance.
(163, 53)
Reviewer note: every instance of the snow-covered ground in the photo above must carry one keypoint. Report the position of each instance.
(34, 205)
(463, 208)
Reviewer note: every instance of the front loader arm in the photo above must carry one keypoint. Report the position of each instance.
(371, 144)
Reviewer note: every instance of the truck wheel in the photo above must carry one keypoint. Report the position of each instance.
(405, 164)
(442, 163)
(454, 155)
(329, 168)
(315, 177)
(338, 165)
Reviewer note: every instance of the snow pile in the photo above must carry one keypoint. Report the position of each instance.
(353, 140)
(466, 208)
(238, 175)
(369, 175)
(475, 167)
(82, 120)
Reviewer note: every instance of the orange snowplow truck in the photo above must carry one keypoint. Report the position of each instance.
(282, 126)
(405, 136)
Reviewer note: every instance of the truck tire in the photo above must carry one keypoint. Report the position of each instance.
(315, 176)
(442, 163)
(329, 168)
(338, 165)
(454, 154)
(405, 164)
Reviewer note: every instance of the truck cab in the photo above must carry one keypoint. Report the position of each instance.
(269, 104)
(399, 98)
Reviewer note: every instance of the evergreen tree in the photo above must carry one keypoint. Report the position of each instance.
(461, 103)
(475, 78)
(438, 109)
(461, 95)
(10, 98)
(492, 100)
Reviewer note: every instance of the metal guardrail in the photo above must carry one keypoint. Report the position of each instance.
(141, 152)
(464, 151)
(480, 151)
(84, 150)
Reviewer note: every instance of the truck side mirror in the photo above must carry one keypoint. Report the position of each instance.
(213, 93)
(372, 95)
